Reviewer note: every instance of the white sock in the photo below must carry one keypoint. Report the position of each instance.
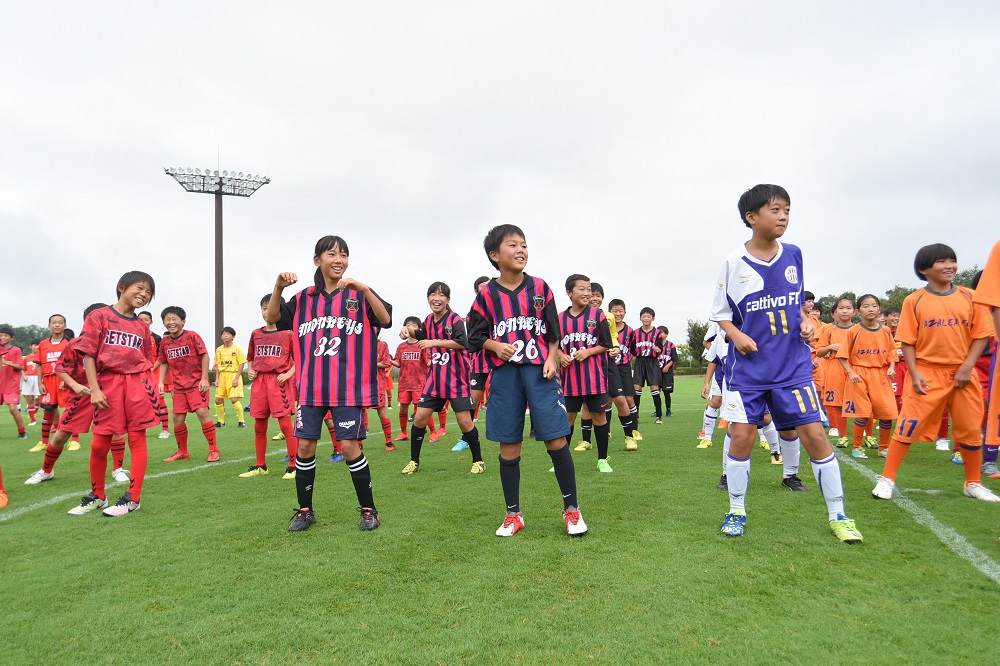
(790, 453)
(827, 473)
(738, 478)
(708, 422)
(771, 435)
(725, 451)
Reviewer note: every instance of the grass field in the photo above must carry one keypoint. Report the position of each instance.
(206, 572)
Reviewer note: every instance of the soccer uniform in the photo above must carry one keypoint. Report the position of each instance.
(79, 412)
(585, 382)
(818, 328)
(448, 375)
(717, 354)
(227, 363)
(834, 377)
(646, 369)
(988, 295)
(626, 343)
(271, 353)
(48, 356)
(182, 356)
(413, 372)
(29, 382)
(667, 353)
(10, 379)
(869, 353)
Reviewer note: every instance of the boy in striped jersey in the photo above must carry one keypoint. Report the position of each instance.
(586, 337)
(336, 322)
(626, 352)
(648, 345)
(514, 319)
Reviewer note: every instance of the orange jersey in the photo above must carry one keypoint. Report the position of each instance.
(48, 355)
(867, 348)
(941, 326)
(988, 293)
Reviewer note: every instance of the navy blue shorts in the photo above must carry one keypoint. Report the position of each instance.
(512, 388)
(348, 422)
(789, 406)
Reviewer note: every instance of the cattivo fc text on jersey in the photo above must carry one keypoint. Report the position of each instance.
(767, 302)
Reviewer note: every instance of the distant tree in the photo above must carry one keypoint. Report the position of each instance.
(23, 335)
(695, 337)
(894, 297)
(684, 354)
(830, 300)
(964, 278)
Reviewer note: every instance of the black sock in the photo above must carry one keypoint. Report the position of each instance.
(510, 479)
(586, 427)
(305, 475)
(626, 422)
(656, 404)
(636, 399)
(562, 462)
(602, 432)
(634, 413)
(472, 439)
(666, 401)
(417, 441)
(607, 415)
(361, 475)
(569, 437)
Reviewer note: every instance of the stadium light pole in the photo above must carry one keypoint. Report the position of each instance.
(230, 183)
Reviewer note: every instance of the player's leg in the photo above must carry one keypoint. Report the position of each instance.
(654, 392)
(383, 417)
(586, 429)
(601, 430)
(308, 422)
(180, 408)
(208, 431)
(404, 408)
(221, 391)
(15, 411)
(3, 493)
(423, 415)
(350, 437)
(966, 409)
(53, 450)
(470, 434)
(744, 411)
(505, 424)
(240, 418)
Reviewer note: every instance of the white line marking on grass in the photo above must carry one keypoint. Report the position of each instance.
(947, 535)
(114, 484)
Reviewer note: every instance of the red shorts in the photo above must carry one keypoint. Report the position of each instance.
(269, 398)
(10, 398)
(78, 415)
(381, 394)
(408, 397)
(132, 404)
(51, 393)
(186, 402)
(899, 381)
(872, 397)
(920, 417)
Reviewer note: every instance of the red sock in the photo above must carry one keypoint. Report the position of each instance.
(208, 430)
(118, 452)
(387, 430)
(260, 440)
(140, 458)
(47, 418)
(99, 448)
(181, 435)
(837, 417)
(443, 418)
(897, 451)
(291, 441)
(972, 456)
(22, 430)
(884, 435)
(32, 413)
(1, 481)
(51, 456)
(432, 427)
(402, 419)
(943, 428)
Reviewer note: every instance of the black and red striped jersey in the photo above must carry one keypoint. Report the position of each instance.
(586, 330)
(448, 375)
(525, 317)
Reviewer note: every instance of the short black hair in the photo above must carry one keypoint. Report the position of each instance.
(975, 279)
(412, 320)
(616, 301)
(69, 334)
(479, 281)
(228, 329)
(57, 315)
(573, 279)
(96, 306)
(841, 300)
(323, 245)
(135, 277)
(8, 330)
(892, 310)
(809, 296)
(928, 255)
(648, 310)
(596, 287)
(439, 286)
(145, 312)
(862, 297)
(174, 310)
(817, 307)
(759, 196)
(267, 299)
(495, 237)
(36, 341)
(663, 329)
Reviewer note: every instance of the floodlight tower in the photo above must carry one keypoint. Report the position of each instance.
(229, 183)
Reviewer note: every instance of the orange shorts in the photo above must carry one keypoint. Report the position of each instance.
(870, 398)
(132, 404)
(920, 416)
(818, 377)
(834, 379)
(51, 393)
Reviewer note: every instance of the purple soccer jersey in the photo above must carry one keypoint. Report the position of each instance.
(336, 364)
(586, 330)
(626, 342)
(525, 317)
(645, 341)
(448, 375)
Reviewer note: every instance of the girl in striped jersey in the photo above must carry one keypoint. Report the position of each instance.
(444, 335)
(336, 324)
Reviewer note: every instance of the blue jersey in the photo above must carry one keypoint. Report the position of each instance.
(764, 300)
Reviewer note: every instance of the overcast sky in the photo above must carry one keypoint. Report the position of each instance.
(619, 136)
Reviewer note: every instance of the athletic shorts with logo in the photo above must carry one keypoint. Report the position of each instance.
(269, 398)
(646, 371)
(513, 387)
(348, 422)
(186, 402)
(132, 404)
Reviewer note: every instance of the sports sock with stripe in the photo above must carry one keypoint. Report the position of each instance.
(361, 475)
(827, 473)
(140, 459)
(738, 479)
(305, 475)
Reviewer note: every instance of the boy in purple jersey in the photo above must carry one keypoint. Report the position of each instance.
(336, 323)
(586, 338)
(759, 304)
(514, 319)
(648, 345)
(447, 379)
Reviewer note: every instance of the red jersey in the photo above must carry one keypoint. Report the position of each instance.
(586, 330)
(412, 366)
(182, 356)
(271, 351)
(71, 362)
(121, 345)
(10, 379)
(646, 340)
(31, 365)
(383, 358)
(525, 317)
(48, 355)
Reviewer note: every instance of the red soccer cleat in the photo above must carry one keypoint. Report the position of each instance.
(402, 437)
(177, 456)
(213, 456)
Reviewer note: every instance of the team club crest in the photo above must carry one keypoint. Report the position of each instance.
(792, 275)
(447, 330)
(353, 304)
(591, 324)
(538, 302)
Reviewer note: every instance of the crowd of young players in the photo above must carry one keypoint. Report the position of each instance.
(319, 357)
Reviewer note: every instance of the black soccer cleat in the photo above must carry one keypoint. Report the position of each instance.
(794, 483)
(723, 483)
(369, 519)
(220, 424)
(302, 520)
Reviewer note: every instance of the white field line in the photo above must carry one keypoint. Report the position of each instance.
(947, 535)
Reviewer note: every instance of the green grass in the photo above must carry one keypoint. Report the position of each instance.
(206, 572)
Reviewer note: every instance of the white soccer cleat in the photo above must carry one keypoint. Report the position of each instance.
(980, 492)
(575, 526)
(164, 434)
(120, 475)
(883, 488)
(512, 524)
(91, 502)
(834, 432)
(942, 445)
(38, 477)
